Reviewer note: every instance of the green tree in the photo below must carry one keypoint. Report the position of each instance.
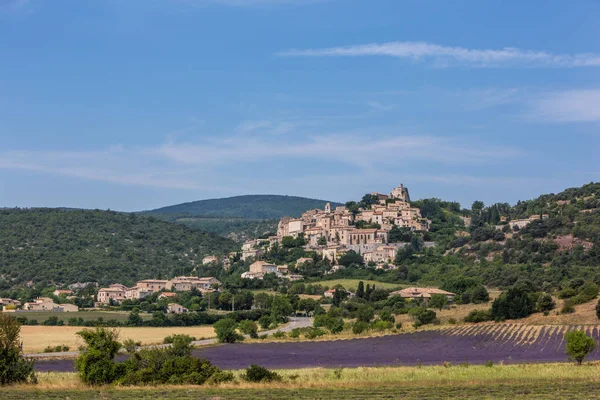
(134, 318)
(545, 303)
(360, 290)
(322, 241)
(281, 308)
(226, 331)
(14, 368)
(95, 364)
(579, 345)
(513, 304)
(249, 328)
(438, 301)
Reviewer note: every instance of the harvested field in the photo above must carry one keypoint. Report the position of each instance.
(500, 343)
(37, 338)
(41, 316)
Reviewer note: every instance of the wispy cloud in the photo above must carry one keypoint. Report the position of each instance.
(446, 56)
(179, 165)
(567, 106)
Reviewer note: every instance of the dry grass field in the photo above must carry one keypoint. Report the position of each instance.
(37, 338)
(524, 381)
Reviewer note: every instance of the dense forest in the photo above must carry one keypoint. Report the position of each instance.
(66, 246)
(239, 218)
(248, 207)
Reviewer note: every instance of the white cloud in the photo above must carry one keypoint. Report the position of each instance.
(568, 106)
(219, 163)
(444, 56)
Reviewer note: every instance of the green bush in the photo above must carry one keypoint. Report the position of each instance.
(265, 321)
(249, 328)
(360, 327)
(545, 303)
(579, 345)
(381, 326)
(226, 331)
(313, 333)
(476, 316)
(95, 364)
(256, 373)
(279, 335)
(568, 308)
(295, 333)
(423, 316)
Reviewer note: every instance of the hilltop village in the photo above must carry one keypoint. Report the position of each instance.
(361, 227)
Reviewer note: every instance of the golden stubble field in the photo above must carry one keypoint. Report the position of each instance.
(37, 338)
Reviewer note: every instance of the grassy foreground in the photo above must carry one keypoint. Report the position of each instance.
(541, 381)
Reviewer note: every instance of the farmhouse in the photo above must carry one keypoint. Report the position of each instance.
(421, 293)
(167, 295)
(175, 308)
(47, 304)
(152, 285)
(258, 269)
(115, 292)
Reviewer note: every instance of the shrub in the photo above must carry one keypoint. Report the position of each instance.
(423, 316)
(256, 373)
(476, 316)
(489, 363)
(545, 303)
(95, 363)
(249, 328)
(568, 308)
(399, 325)
(265, 321)
(381, 326)
(512, 304)
(579, 345)
(567, 293)
(279, 335)
(313, 333)
(172, 365)
(452, 321)
(598, 309)
(295, 333)
(220, 377)
(359, 327)
(226, 331)
(131, 345)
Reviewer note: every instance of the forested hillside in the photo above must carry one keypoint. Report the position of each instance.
(561, 242)
(65, 246)
(238, 218)
(250, 207)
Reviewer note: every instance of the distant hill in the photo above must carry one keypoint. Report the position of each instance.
(249, 207)
(239, 218)
(68, 246)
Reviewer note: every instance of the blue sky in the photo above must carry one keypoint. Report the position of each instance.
(136, 104)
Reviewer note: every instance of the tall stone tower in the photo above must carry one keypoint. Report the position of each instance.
(328, 208)
(401, 193)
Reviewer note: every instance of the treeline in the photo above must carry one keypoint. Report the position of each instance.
(159, 319)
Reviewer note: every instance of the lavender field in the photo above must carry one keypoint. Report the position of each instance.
(506, 343)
